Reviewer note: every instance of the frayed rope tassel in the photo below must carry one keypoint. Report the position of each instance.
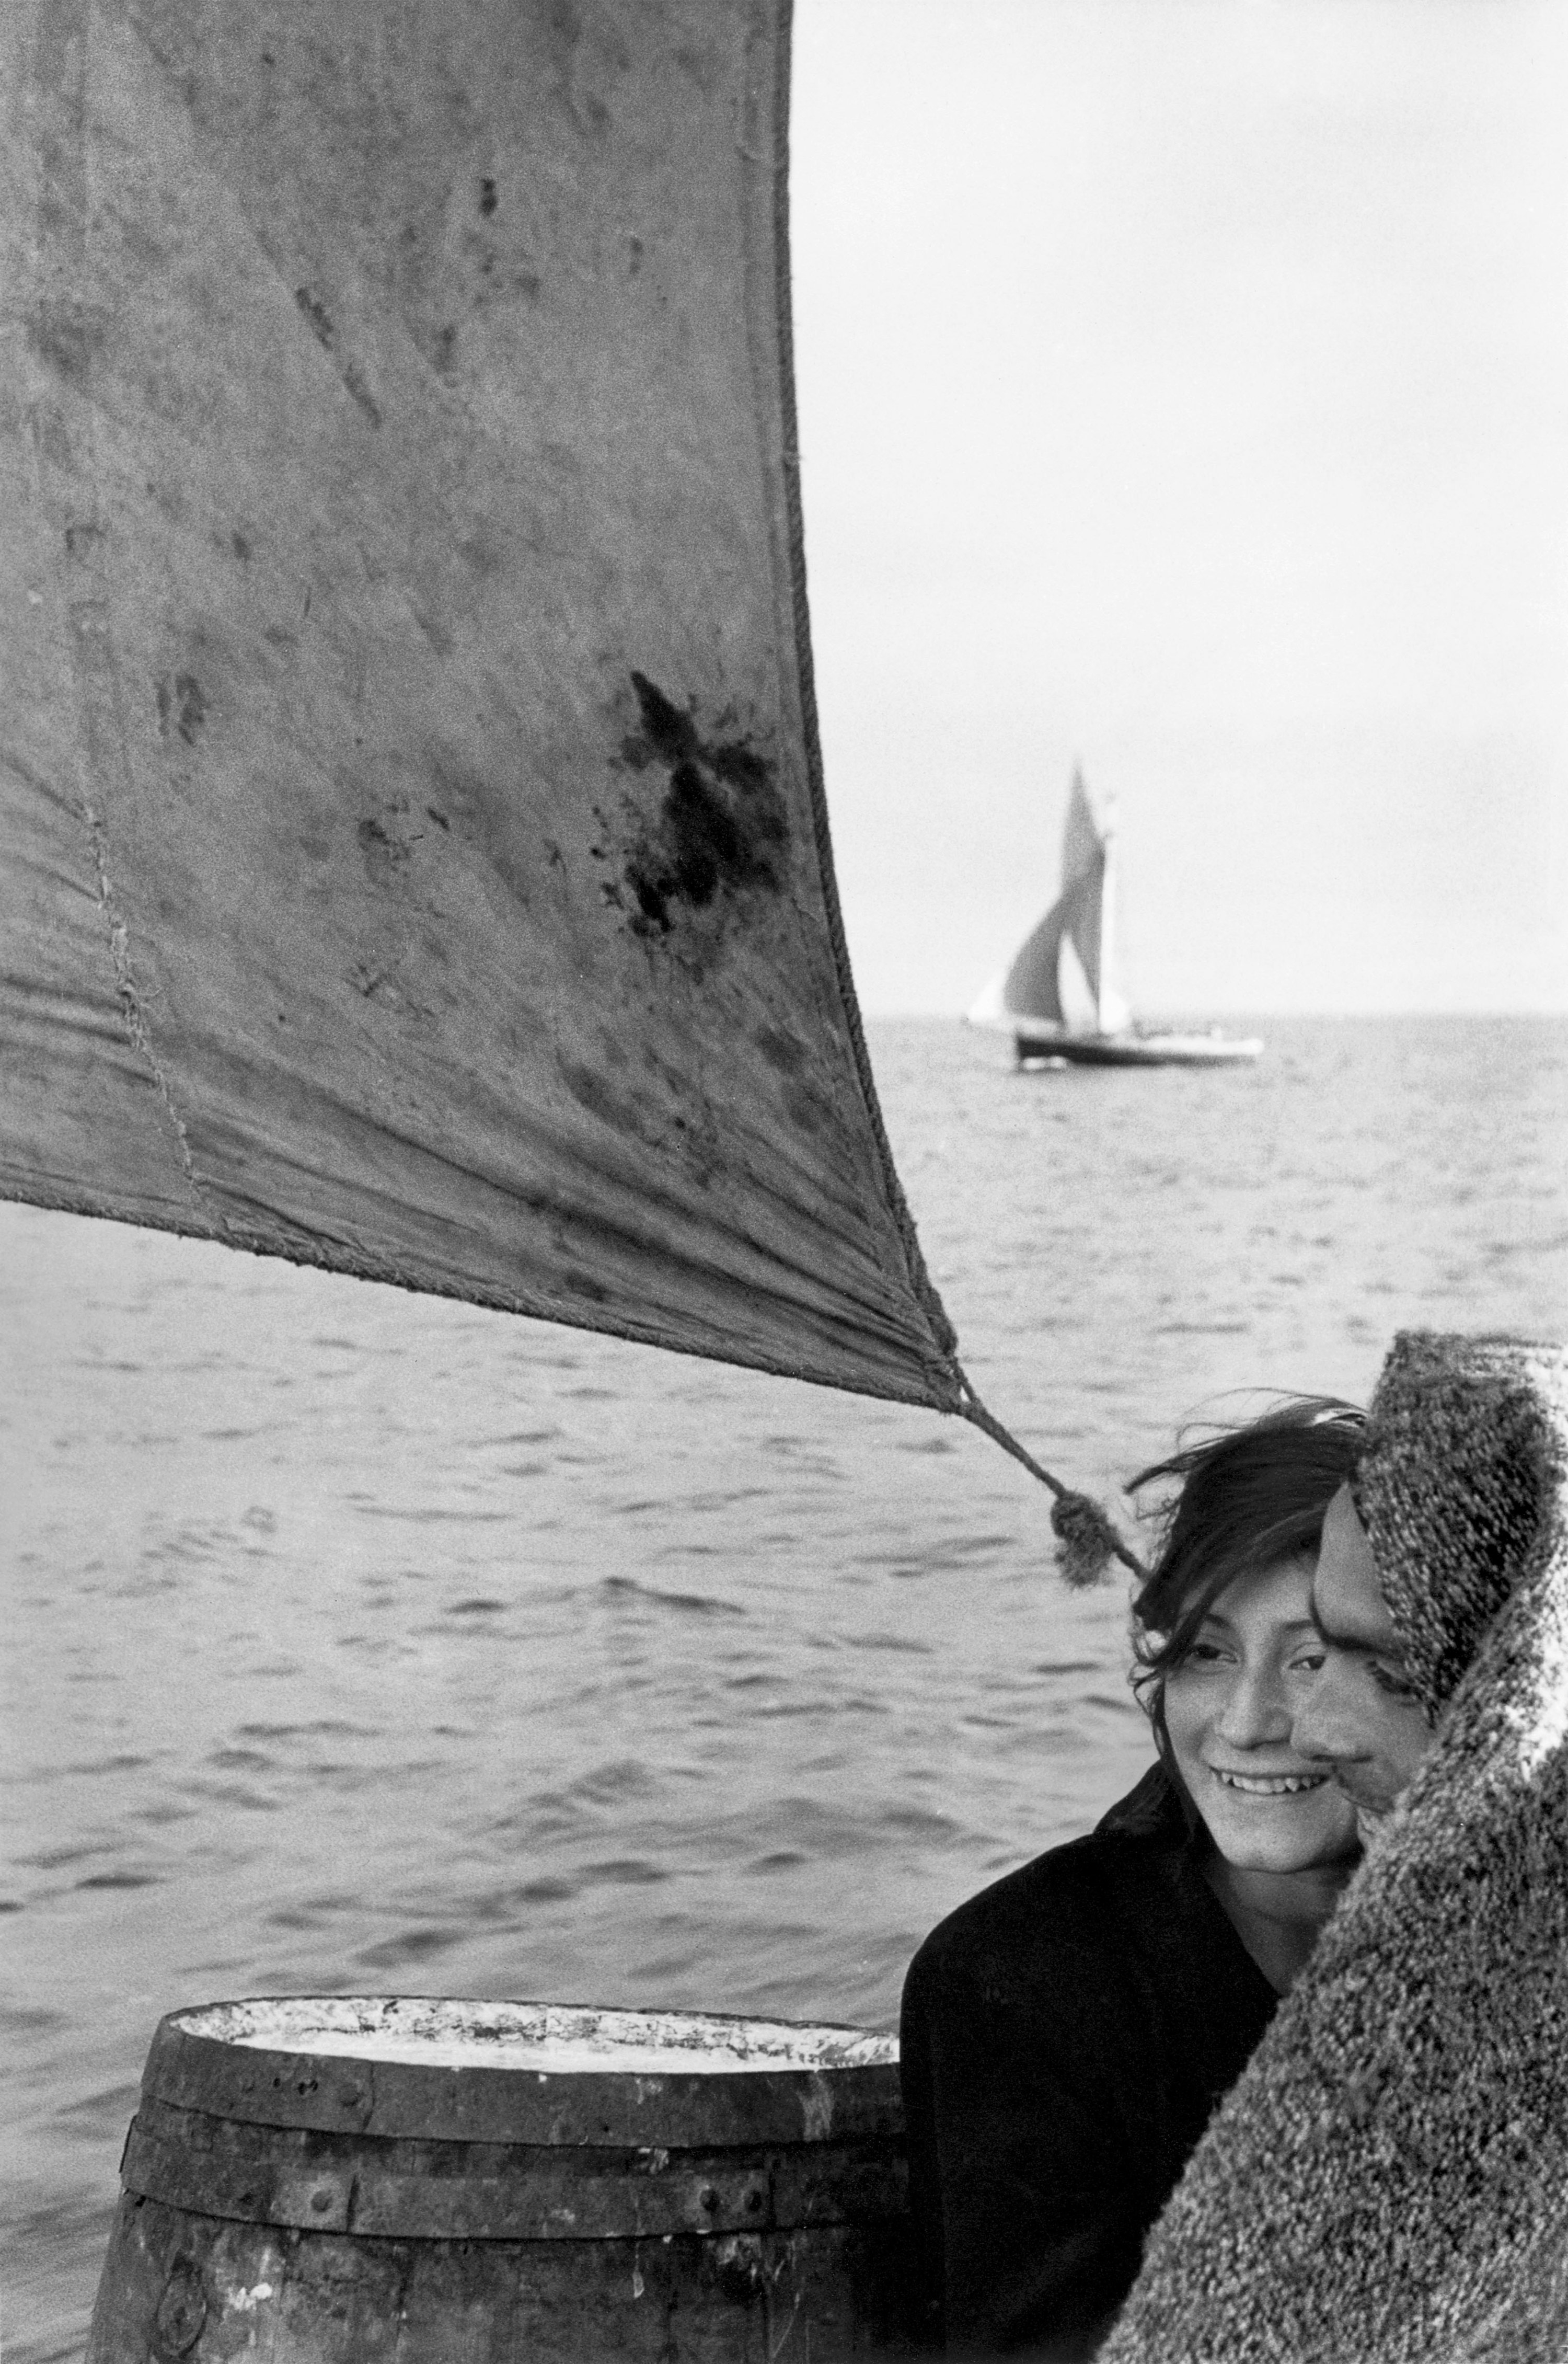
(1086, 1542)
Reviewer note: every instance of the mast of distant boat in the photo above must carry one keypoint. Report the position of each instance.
(1111, 1013)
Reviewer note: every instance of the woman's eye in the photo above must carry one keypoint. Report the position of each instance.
(1204, 1653)
(1311, 1660)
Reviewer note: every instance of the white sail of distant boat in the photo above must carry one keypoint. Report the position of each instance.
(1064, 974)
(1060, 997)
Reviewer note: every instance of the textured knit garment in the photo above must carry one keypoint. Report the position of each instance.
(1388, 2182)
(1065, 2036)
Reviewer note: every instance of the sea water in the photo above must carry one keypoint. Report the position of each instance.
(367, 1643)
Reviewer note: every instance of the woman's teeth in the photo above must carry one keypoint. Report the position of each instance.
(1270, 1785)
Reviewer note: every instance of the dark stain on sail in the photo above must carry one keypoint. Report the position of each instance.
(182, 705)
(807, 1112)
(647, 1112)
(353, 378)
(319, 318)
(69, 336)
(786, 1052)
(326, 329)
(591, 1091)
(382, 852)
(721, 829)
(808, 1098)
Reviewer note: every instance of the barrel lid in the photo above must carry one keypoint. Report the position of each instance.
(460, 2069)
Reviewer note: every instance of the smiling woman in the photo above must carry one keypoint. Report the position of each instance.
(1067, 2033)
(1283, 1832)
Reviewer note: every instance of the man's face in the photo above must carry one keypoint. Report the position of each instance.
(1362, 1715)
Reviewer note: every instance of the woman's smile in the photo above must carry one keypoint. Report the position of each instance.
(1269, 1785)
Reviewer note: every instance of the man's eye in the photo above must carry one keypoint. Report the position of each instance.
(1394, 1685)
(1310, 1659)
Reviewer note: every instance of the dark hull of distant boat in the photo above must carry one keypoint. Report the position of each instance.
(1151, 1050)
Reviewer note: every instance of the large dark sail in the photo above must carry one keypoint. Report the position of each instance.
(416, 861)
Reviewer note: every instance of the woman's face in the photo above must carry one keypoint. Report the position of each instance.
(1230, 1709)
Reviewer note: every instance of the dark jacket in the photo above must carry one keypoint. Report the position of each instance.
(1065, 2035)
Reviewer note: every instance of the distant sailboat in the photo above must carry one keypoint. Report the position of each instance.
(1059, 999)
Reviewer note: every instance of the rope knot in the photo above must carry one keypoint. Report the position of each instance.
(1086, 1540)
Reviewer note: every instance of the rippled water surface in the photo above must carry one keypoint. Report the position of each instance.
(362, 1642)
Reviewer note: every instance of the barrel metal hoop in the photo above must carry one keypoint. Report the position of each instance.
(615, 2112)
(375, 2188)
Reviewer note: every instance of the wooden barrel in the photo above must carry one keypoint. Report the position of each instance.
(337, 2179)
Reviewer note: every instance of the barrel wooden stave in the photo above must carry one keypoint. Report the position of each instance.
(183, 2288)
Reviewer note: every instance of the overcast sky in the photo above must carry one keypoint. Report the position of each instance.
(1184, 387)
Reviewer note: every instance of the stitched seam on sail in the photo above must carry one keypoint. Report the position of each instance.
(130, 999)
(63, 50)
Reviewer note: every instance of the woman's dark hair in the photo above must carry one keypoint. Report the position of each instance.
(1251, 1497)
